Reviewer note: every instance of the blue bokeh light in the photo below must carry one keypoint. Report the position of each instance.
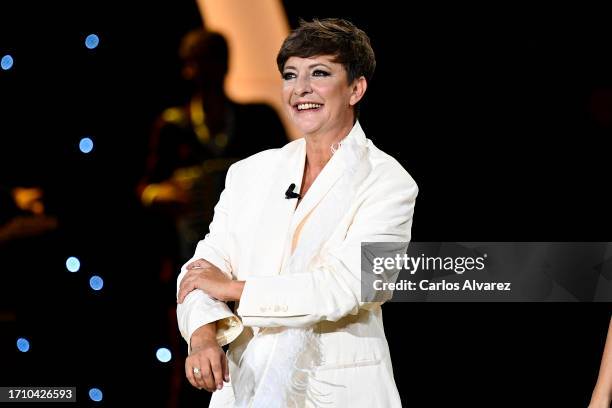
(23, 345)
(96, 282)
(95, 394)
(73, 264)
(6, 62)
(86, 145)
(163, 354)
(92, 41)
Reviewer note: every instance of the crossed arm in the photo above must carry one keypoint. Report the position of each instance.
(324, 293)
(203, 275)
(206, 366)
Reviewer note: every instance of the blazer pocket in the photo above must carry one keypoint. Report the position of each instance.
(339, 366)
(341, 349)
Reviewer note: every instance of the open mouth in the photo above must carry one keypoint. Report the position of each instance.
(306, 107)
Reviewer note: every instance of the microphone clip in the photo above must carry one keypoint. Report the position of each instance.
(289, 194)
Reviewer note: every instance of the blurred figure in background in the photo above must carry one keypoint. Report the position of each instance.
(191, 147)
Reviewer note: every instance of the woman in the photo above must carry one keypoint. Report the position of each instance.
(301, 335)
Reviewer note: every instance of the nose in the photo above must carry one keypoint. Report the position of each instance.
(302, 86)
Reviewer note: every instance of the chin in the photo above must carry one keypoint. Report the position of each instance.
(308, 130)
(307, 127)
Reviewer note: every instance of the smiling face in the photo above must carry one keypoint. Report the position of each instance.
(317, 96)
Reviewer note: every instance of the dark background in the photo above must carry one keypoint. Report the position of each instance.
(500, 114)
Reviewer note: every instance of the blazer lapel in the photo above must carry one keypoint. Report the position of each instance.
(323, 183)
(326, 179)
(279, 216)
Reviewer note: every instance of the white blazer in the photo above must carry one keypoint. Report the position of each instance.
(251, 238)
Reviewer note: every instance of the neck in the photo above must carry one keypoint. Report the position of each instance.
(318, 147)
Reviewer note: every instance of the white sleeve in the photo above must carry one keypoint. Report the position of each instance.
(332, 291)
(198, 308)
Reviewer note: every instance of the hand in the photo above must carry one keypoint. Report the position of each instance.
(207, 277)
(209, 358)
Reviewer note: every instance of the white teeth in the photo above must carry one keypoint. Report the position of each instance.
(304, 106)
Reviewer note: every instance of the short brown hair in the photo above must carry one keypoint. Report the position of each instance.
(331, 36)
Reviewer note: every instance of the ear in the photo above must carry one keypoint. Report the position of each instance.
(358, 88)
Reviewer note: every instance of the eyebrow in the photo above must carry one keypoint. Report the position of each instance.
(310, 66)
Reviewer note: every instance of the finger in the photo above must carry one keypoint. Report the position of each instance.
(189, 373)
(181, 294)
(226, 376)
(191, 273)
(207, 378)
(198, 376)
(188, 277)
(200, 263)
(192, 265)
(217, 372)
(189, 284)
(185, 290)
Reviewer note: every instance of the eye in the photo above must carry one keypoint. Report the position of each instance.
(288, 75)
(320, 73)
